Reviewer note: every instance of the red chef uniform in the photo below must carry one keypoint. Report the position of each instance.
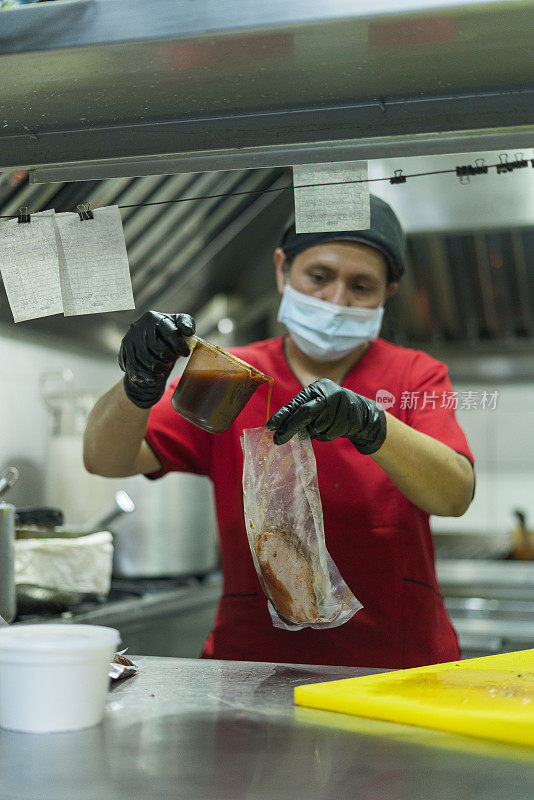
(380, 542)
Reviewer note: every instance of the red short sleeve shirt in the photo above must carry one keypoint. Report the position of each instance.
(380, 542)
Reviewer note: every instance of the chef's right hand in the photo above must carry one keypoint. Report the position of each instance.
(148, 352)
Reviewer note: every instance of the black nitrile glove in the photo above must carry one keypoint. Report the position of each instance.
(328, 411)
(148, 352)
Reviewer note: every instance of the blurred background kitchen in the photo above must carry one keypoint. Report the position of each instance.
(467, 298)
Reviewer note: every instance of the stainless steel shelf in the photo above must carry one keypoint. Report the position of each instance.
(474, 574)
(519, 632)
(490, 604)
(120, 87)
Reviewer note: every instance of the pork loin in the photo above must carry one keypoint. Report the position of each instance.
(287, 577)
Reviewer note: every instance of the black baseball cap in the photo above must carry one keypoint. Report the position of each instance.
(385, 234)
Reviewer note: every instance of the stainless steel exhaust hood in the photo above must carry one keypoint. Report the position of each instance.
(119, 88)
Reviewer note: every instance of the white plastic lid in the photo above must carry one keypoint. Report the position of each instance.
(54, 638)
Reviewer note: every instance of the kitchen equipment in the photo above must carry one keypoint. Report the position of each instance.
(523, 538)
(38, 523)
(8, 601)
(34, 523)
(57, 567)
(67, 484)
(173, 531)
(122, 504)
(54, 677)
(8, 478)
(482, 544)
(490, 604)
(490, 697)
(67, 406)
(214, 387)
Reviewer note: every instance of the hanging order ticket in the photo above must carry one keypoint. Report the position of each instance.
(93, 263)
(29, 266)
(341, 206)
(59, 263)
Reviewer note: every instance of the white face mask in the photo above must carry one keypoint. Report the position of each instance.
(325, 331)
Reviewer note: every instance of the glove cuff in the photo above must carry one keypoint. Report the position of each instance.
(143, 395)
(373, 434)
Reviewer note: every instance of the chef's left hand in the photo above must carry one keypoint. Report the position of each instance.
(327, 411)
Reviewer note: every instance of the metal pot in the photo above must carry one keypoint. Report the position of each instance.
(173, 531)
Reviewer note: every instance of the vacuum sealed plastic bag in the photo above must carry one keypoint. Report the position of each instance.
(284, 524)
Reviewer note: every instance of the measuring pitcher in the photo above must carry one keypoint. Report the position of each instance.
(215, 387)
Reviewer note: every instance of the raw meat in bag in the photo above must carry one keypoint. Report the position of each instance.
(285, 530)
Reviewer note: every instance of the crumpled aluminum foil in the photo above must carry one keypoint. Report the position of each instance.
(122, 667)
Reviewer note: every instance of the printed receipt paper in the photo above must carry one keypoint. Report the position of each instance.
(29, 266)
(59, 263)
(93, 263)
(342, 206)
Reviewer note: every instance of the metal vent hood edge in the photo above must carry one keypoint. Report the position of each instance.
(236, 85)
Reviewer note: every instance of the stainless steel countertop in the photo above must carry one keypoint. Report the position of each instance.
(226, 730)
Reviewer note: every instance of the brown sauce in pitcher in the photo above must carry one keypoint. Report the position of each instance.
(213, 399)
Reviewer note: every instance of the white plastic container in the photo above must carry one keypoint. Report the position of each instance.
(54, 677)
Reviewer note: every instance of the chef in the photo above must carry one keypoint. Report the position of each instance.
(388, 447)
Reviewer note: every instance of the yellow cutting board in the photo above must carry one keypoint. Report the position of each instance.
(490, 697)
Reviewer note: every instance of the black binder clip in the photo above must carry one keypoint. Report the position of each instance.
(398, 177)
(520, 161)
(505, 165)
(84, 210)
(463, 174)
(23, 215)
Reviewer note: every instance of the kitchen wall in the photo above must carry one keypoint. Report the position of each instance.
(24, 421)
(502, 440)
